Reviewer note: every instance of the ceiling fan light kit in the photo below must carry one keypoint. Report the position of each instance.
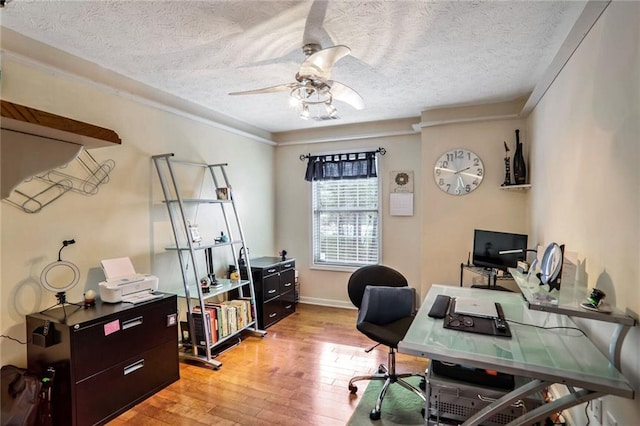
(313, 92)
(314, 101)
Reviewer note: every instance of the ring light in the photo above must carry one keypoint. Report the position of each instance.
(59, 264)
(551, 265)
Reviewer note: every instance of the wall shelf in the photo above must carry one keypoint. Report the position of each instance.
(58, 141)
(524, 187)
(23, 119)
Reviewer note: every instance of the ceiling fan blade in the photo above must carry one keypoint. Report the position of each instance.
(272, 89)
(319, 64)
(346, 94)
(314, 33)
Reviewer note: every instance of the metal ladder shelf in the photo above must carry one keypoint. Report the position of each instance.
(188, 249)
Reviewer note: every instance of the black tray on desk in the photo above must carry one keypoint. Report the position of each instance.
(473, 324)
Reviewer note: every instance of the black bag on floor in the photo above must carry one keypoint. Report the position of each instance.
(21, 397)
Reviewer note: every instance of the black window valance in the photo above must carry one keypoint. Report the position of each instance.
(355, 165)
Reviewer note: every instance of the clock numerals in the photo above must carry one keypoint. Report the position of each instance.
(455, 155)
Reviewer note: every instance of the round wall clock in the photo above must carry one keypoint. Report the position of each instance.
(458, 172)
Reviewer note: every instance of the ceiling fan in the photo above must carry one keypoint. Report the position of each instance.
(314, 91)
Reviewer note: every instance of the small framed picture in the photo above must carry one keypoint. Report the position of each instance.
(195, 233)
(222, 193)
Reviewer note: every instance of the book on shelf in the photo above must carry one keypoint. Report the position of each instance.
(198, 326)
(250, 308)
(222, 317)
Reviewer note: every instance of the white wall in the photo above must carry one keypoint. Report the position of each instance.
(585, 158)
(400, 234)
(449, 221)
(126, 217)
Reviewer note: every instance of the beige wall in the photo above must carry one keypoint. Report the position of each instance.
(400, 234)
(585, 160)
(126, 217)
(449, 221)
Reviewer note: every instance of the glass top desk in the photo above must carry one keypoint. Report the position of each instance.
(548, 356)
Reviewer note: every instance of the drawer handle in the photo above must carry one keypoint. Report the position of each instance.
(271, 291)
(272, 315)
(288, 306)
(133, 367)
(271, 270)
(287, 265)
(134, 322)
(287, 284)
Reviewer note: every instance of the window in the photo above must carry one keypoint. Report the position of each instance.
(346, 225)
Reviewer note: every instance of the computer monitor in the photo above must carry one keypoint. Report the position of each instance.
(499, 250)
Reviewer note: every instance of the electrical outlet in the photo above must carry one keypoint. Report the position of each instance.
(610, 420)
(596, 410)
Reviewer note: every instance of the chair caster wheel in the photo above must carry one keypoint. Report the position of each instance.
(353, 389)
(374, 415)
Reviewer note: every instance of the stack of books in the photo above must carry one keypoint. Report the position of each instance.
(223, 319)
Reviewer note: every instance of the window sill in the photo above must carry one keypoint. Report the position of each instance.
(334, 268)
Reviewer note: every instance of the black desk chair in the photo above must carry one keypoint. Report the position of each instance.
(386, 307)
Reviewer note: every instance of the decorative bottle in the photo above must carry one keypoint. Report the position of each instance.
(519, 167)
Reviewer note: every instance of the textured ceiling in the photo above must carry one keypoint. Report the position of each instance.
(406, 56)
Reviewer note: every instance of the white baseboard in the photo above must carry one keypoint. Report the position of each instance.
(327, 302)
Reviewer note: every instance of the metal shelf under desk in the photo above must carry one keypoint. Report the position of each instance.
(490, 273)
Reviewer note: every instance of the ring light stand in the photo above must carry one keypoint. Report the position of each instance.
(61, 291)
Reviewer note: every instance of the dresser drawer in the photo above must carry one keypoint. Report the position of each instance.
(261, 273)
(288, 303)
(272, 312)
(120, 387)
(271, 287)
(116, 339)
(287, 280)
(289, 264)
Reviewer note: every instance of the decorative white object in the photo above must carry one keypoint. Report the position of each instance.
(401, 204)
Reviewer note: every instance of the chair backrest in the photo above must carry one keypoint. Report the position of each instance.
(377, 275)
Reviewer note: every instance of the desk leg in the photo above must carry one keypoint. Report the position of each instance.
(567, 401)
(461, 273)
(616, 344)
(506, 400)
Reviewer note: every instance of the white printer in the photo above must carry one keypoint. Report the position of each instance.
(123, 284)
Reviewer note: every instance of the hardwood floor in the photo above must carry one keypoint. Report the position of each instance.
(296, 375)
